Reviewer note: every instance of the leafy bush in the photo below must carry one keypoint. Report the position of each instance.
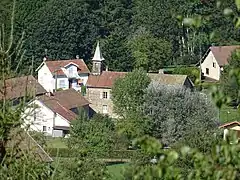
(80, 168)
(192, 72)
(92, 136)
(115, 154)
(175, 112)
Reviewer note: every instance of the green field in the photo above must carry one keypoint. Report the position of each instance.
(228, 114)
(116, 171)
(56, 142)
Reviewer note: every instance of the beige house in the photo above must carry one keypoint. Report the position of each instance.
(100, 83)
(231, 126)
(215, 59)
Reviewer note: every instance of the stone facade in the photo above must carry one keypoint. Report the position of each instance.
(100, 100)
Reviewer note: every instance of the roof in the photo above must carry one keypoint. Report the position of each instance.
(233, 123)
(56, 65)
(20, 86)
(105, 80)
(70, 98)
(25, 142)
(62, 101)
(98, 55)
(56, 107)
(168, 79)
(222, 53)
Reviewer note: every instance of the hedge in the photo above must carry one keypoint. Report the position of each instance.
(115, 154)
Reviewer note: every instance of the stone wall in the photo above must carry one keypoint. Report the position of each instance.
(97, 101)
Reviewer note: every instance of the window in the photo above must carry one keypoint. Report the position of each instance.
(105, 95)
(70, 70)
(44, 128)
(207, 71)
(61, 83)
(105, 109)
(214, 64)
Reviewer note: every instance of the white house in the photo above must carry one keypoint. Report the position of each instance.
(53, 114)
(215, 59)
(63, 74)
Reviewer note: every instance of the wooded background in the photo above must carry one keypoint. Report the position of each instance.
(133, 33)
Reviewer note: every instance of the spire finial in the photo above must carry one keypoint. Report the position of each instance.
(98, 55)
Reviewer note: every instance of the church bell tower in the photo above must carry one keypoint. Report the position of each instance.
(97, 61)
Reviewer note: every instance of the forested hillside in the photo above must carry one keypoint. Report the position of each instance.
(133, 33)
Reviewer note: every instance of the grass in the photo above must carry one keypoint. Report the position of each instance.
(228, 114)
(56, 142)
(116, 171)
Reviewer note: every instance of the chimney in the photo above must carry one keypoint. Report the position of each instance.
(161, 71)
(77, 56)
(106, 68)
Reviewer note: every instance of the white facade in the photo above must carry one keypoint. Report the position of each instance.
(210, 67)
(39, 117)
(45, 78)
(48, 81)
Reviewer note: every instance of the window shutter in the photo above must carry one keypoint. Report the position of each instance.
(101, 95)
(109, 95)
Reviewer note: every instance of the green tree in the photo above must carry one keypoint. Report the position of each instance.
(16, 162)
(127, 92)
(149, 53)
(175, 112)
(228, 81)
(93, 137)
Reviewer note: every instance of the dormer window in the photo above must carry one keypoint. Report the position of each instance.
(70, 70)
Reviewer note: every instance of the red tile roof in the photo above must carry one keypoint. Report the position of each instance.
(70, 98)
(56, 107)
(20, 86)
(62, 101)
(222, 53)
(57, 64)
(105, 80)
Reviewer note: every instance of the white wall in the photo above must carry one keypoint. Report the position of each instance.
(60, 121)
(45, 78)
(43, 117)
(214, 72)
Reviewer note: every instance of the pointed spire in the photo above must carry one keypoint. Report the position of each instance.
(97, 55)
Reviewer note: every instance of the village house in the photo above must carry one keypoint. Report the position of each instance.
(100, 83)
(63, 74)
(215, 59)
(52, 113)
(55, 74)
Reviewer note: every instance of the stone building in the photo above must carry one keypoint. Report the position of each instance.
(100, 83)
